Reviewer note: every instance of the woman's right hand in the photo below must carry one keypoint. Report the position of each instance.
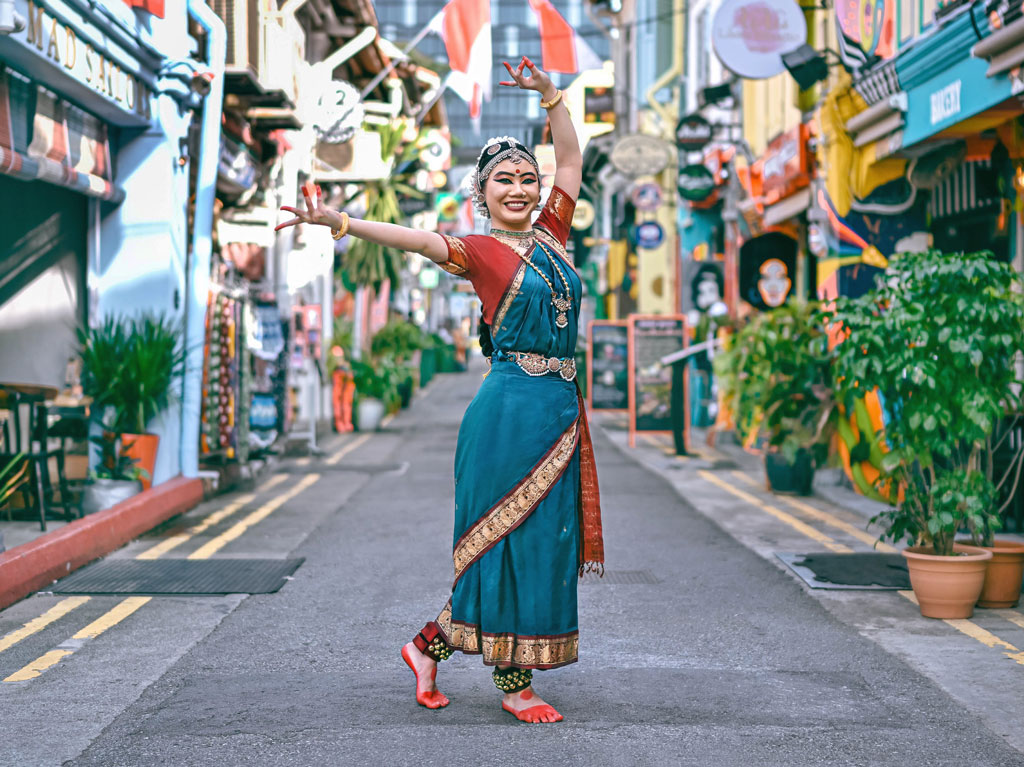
(314, 213)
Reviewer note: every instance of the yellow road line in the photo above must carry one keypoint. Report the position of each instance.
(974, 631)
(216, 544)
(174, 541)
(302, 461)
(782, 516)
(50, 659)
(347, 449)
(823, 516)
(59, 610)
(1011, 615)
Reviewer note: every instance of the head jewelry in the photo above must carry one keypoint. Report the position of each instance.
(497, 150)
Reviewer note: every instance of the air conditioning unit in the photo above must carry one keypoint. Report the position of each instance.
(265, 51)
(242, 19)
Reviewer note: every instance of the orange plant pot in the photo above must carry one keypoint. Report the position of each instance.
(142, 447)
(1004, 575)
(947, 587)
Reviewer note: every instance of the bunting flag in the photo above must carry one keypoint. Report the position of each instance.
(155, 7)
(562, 50)
(465, 27)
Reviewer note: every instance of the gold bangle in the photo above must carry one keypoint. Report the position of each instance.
(553, 102)
(343, 229)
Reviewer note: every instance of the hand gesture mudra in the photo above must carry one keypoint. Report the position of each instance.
(314, 212)
(538, 80)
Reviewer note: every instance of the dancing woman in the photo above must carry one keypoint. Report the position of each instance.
(527, 511)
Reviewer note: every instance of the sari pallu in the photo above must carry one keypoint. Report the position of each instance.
(527, 513)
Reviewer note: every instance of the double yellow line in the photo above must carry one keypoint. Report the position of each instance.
(127, 606)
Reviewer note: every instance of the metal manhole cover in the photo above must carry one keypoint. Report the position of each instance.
(191, 577)
(621, 578)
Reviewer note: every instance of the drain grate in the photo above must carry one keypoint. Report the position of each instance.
(192, 577)
(620, 578)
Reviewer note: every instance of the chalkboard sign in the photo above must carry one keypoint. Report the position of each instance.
(652, 337)
(608, 365)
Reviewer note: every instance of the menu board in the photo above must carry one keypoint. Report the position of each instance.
(650, 383)
(608, 365)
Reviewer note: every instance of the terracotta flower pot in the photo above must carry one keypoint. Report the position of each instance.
(947, 587)
(1004, 575)
(142, 447)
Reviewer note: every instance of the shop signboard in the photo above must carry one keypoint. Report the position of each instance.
(750, 36)
(784, 168)
(583, 215)
(870, 25)
(953, 95)
(652, 337)
(75, 56)
(646, 196)
(693, 133)
(640, 155)
(598, 105)
(695, 183)
(648, 234)
(607, 365)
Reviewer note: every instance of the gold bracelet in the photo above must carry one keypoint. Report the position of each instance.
(553, 102)
(343, 229)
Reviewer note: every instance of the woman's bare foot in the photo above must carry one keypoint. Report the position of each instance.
(527, 706)
(425, 669)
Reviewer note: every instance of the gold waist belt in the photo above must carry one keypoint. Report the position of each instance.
(538, 365)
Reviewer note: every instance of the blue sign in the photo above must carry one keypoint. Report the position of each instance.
(952, 96)
(649, 234)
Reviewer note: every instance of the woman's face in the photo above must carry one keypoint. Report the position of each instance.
(512, 193)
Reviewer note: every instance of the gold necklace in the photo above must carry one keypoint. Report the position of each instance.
(519, 242)
(562, 304)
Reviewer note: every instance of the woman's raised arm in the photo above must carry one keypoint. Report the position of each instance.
(429, 244)
(568, 158)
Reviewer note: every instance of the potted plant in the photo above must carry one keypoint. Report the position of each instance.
(117, 476)
(777, 376)
(938, 338)
(399, 339)
(129, 364)
(374, 389)
(1003, 461)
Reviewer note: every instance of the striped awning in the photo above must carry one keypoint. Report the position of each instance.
(44, 138)
(972, 186)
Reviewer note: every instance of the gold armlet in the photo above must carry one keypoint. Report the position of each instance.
(342, 230)
(553, 102)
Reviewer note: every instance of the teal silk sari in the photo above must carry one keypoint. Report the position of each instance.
(519, 529)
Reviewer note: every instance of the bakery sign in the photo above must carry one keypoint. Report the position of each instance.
(66, 47)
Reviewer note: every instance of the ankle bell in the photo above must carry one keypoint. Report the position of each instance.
(512, 680)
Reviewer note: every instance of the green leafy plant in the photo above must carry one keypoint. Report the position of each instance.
(377, 378)
(938, 338)
(12, 475)
(777, 377)
(399, 339)
(114, 463)
(130, 364)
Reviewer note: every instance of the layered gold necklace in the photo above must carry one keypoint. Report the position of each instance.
(520, 242)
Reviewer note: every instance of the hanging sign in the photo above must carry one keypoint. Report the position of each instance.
(640, 155)
(608, 365)
(650, 382)
(695, 183)
(646, 196)
(583, 216)
(649, 234)
(693, 133)
(750, 36)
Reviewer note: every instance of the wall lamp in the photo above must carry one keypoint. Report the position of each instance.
(10, 19)
(199, 81)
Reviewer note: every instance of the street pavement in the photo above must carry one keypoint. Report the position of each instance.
(698, 647)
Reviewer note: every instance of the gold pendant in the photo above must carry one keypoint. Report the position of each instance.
(561, 320)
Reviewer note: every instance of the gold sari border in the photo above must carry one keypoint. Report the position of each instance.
(512, 510)
(508, 649)
(458, 249)
(510, 296)
(545, 237)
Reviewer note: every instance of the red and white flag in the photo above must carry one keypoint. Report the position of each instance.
(562, 50)
(465, 27)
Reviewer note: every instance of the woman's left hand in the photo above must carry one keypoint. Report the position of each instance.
(537, 81)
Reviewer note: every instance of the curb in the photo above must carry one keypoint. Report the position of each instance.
(33, 565)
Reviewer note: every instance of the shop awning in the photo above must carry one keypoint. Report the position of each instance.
(44, 138)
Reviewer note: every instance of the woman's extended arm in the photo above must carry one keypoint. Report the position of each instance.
(568, 159)
(429, 244)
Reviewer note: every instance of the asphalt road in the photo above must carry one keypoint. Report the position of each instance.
(694, 649)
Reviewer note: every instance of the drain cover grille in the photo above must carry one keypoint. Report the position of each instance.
(191, 577)
(620, 578)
